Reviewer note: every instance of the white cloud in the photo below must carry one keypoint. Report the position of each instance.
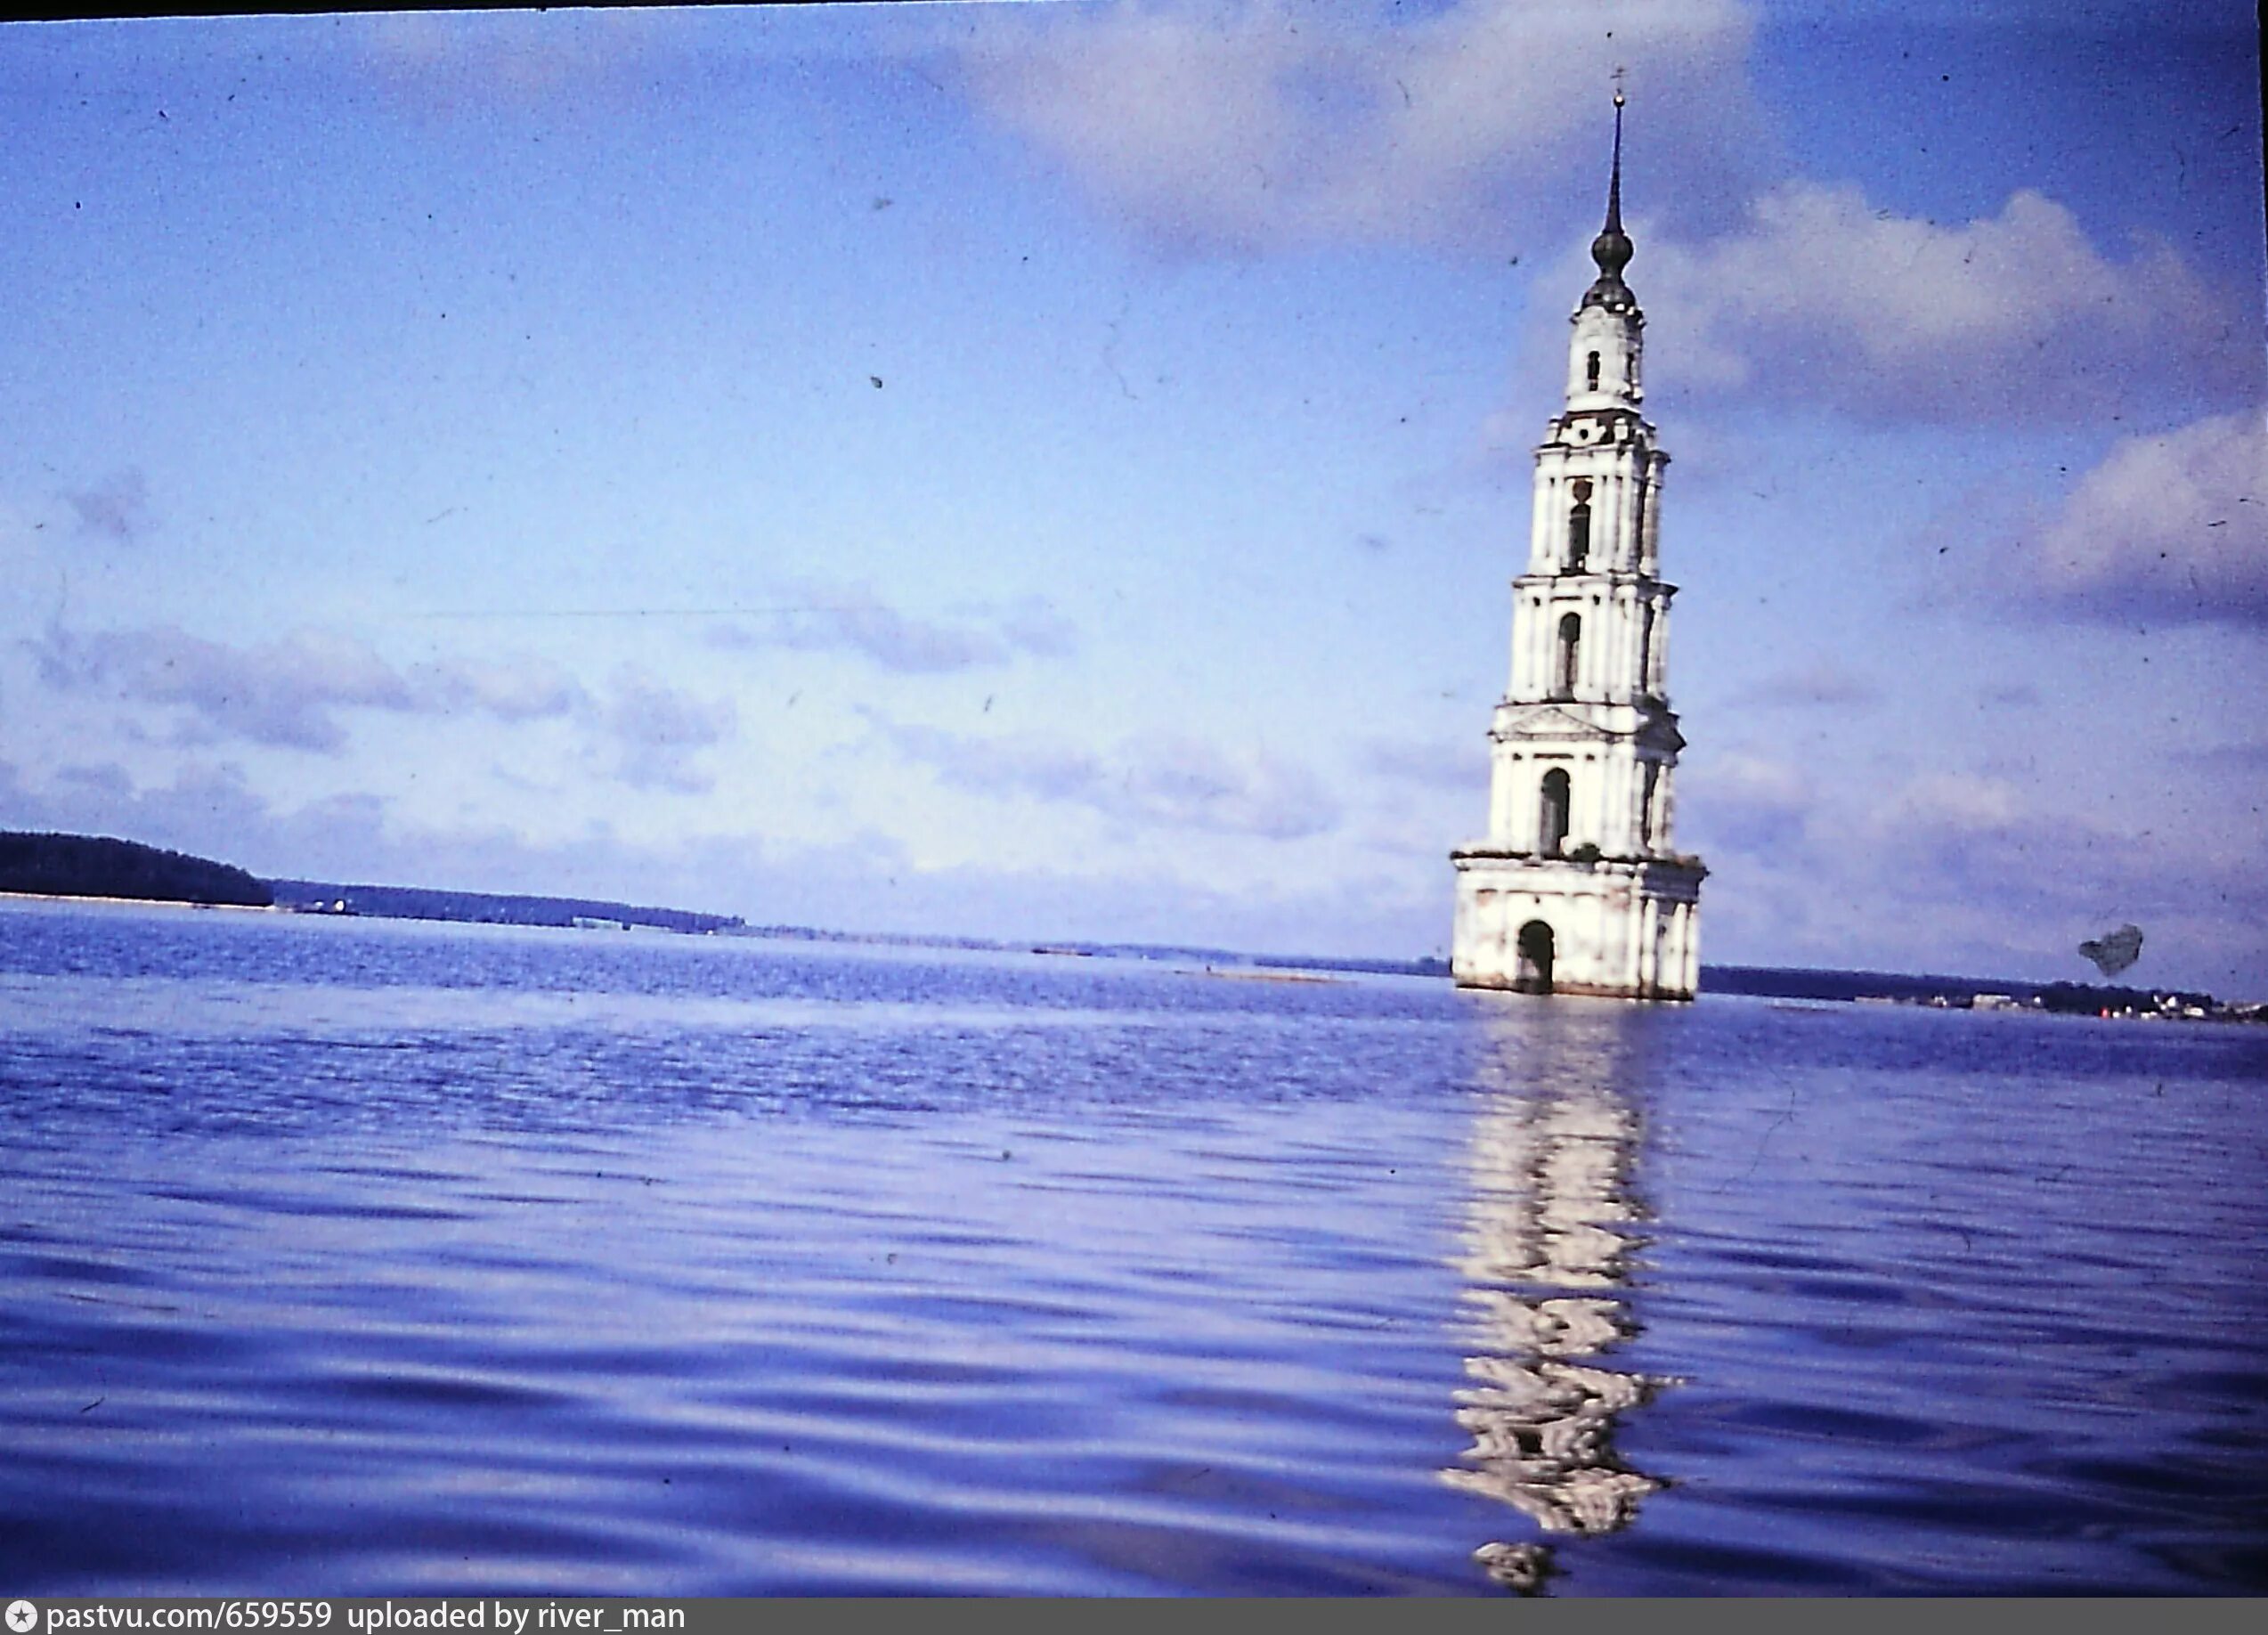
(656, 729)
(1735, 801)
(1954, 804)
(2173, 526)
(855, 620)
(1267, 124)
(1823, 299)
(1185, 782)
(117, 509)
(451, 62)
(282, 693)
(513, 690)
(1819, 681)
(1460, 767)
(294, 693)
(1167, 782)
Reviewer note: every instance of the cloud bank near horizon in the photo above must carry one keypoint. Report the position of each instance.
(301, 692)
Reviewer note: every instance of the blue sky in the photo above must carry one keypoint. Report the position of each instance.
(1054, 470)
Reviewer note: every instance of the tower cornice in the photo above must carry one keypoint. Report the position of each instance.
(1560, 432)
(1601, 579)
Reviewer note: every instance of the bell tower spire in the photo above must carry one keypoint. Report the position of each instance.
(1614, 176)
(1576, 887)
(1612, 250)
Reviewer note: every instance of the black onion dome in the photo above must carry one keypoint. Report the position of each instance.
(1612, 250)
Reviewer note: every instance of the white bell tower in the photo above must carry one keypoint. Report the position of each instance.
(1577, 889)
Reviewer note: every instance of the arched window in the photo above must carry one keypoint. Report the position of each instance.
(1552, 819)
(1571, 644)
(1578, 524)
(1590, 371)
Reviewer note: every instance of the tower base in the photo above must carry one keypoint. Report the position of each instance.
(1623, 928)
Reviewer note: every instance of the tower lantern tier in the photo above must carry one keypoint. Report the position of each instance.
(1577, 887)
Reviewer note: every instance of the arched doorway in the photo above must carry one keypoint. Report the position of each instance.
(1532, 974)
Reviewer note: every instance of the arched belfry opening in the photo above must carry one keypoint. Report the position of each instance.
(1568, 665)
(1578, 528)
(1536, 949)
(1551, 820)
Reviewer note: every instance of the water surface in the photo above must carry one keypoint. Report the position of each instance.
(344, 1257)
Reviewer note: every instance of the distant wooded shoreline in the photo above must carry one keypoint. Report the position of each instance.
(87, 867)
(50, 865)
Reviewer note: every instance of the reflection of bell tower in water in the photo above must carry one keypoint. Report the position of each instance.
(1546, 1248)
(1576, 887)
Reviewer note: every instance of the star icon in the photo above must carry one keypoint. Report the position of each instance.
(21, 1616)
